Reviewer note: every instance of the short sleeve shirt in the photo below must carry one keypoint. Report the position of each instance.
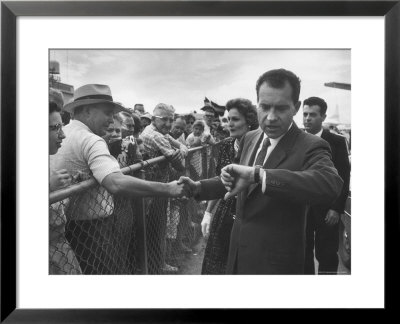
(83, 152)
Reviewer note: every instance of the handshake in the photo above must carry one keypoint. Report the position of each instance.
(234, 177)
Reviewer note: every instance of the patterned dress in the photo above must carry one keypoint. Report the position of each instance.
(216, 253)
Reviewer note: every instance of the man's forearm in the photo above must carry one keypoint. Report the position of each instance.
(117, 183)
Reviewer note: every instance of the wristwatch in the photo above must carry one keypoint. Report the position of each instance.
(257, 174)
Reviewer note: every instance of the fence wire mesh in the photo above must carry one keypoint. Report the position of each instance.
(94, 232)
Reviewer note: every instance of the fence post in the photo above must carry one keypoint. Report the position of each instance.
(204, 163)
(141, 230)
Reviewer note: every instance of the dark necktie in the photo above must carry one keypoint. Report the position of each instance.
(261, 155)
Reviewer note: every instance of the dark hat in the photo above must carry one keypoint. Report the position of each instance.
(220, 110)
(208, 106)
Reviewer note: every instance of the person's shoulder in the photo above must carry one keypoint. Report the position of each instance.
(310, 139)
(333, 138)
(228, 141)
(253, 133)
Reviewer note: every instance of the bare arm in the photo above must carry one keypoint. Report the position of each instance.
(118, 183)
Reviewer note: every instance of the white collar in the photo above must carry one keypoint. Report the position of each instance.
(275, 141)
(317, 134)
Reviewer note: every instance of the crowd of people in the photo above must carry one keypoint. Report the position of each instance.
(277, 196)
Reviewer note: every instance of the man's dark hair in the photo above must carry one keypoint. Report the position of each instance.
(316, 101)
(277, 79)
(53, 107)
(246, 109)
(138, 105)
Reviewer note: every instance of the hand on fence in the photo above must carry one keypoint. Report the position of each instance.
(205, 224)
(193, 187)
(176, 157)
(184, 151)
(59, 179)
(236, 178)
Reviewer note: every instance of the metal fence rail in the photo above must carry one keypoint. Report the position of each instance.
(94, 232)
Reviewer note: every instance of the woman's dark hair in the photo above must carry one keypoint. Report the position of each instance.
(53, 107)
(56, 100)
(246, 109)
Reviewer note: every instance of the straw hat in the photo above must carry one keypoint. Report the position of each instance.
(90, 94)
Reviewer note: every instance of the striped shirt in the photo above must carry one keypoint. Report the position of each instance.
(84, 153)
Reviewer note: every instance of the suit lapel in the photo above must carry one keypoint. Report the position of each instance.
(279, 153)
(248, 153)
(253, 144)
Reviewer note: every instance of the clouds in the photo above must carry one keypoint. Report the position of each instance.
(184, 77)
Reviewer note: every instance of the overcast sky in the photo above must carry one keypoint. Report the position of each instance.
(183, 78)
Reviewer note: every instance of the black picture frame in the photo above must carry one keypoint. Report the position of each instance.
(11, 10)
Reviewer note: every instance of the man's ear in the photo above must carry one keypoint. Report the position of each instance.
(323, 117)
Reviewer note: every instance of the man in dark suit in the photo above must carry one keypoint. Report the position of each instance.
(322, 233)
(282, 169)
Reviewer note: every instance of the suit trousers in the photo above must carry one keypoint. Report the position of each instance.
(325, 240)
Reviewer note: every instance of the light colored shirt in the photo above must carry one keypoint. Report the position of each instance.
(83, 152)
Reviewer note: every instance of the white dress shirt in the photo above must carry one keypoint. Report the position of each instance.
(274, 143)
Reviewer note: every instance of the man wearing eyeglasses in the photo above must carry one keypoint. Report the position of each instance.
(158, 142)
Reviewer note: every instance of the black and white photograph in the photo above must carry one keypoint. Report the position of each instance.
(200, 161)
(215, 156)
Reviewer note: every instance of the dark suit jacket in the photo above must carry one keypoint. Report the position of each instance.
(340, 158)
(268, 236)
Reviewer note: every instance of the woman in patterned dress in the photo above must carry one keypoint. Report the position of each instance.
(242, 118)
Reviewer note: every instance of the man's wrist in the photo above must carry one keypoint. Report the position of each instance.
(197, 188)
(256, 175)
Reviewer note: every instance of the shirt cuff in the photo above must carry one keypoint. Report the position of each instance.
(264, 182)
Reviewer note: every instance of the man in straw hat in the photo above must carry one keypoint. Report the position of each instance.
(85, 151)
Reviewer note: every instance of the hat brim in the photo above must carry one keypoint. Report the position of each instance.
(70, 107)
(220, 111)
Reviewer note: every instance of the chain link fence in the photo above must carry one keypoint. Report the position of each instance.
(94, 232)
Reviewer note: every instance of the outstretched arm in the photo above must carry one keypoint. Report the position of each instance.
(118, 183)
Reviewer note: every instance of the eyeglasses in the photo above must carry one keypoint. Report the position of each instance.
(165, 119)
(56, 127)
